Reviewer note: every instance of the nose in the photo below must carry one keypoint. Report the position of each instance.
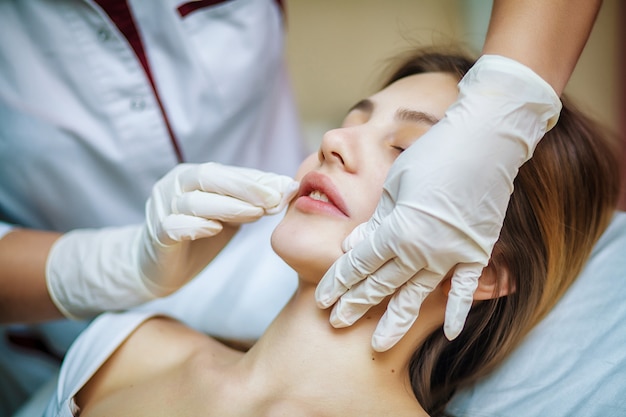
(336, 148)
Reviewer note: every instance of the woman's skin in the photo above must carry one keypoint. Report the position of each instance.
(301, 365)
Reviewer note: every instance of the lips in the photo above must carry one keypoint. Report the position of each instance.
(320, 192)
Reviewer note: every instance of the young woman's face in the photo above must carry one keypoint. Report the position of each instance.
(342, 183)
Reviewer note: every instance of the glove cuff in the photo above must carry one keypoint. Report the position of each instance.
(499, 76)
(509, 101)
(91, 271)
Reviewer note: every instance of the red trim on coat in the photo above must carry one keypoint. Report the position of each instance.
(191, 6)
(120, 14)
(621, 79)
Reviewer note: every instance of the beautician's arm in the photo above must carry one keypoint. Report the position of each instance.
(446, 196)
(24, 296)
(547, 36)
(86, 271)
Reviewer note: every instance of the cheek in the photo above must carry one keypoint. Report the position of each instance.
(367, 201)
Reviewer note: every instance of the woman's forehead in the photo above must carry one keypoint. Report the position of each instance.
(433, 92)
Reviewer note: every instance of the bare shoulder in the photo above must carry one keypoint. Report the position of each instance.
(158, 347)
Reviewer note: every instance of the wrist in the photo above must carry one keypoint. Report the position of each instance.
(91, 271)
(508, 78)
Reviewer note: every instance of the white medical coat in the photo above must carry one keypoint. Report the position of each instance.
(83, 140)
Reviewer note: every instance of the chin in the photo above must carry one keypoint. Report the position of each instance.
(306, 253)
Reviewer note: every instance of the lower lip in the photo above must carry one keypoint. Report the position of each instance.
(308, 205)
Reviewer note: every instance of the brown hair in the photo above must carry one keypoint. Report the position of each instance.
(564, 198)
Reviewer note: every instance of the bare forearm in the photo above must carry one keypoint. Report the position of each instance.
(546, 35)
(24, 295)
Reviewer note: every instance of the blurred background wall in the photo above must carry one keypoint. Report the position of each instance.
(336, 50)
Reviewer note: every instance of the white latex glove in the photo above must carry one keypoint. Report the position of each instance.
(90, 271)
(443, 204)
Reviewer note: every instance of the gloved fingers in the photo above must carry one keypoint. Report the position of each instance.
(460, 298)
(403, 309)
(347, 271)
(245, 184)
(216, 207)
(364, 259)
(371, 291)
(286, 186)
(329, 289)
(180, 227)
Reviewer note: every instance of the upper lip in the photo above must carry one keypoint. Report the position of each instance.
(316, 181)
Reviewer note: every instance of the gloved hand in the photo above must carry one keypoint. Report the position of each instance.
(443, 204)
(90, 271)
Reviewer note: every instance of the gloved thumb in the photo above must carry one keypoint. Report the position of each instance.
(179, 227)
(287, 188)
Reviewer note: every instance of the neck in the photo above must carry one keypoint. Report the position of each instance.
(301, 353)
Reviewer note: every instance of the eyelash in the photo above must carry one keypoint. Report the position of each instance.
(399, 148)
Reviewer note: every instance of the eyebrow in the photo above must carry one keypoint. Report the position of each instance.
(402, 114)
(415, 116)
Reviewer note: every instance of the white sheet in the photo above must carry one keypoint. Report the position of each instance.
(92, 348)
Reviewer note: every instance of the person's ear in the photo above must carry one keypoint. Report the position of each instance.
(493, 283)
